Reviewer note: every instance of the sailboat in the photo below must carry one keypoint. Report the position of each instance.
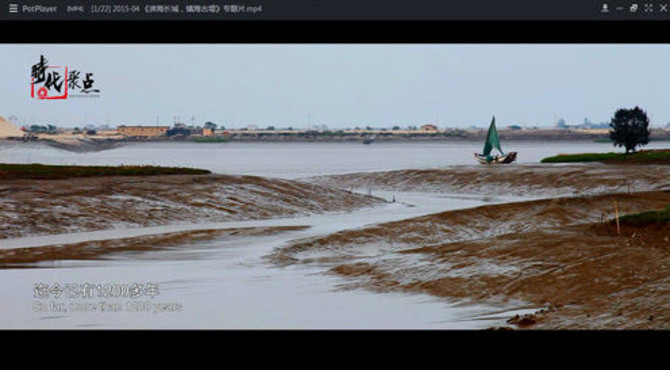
(493, 142)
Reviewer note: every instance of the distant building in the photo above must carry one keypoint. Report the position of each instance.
(252, 127)
(142, 131)
(207, 132)
(428, 127)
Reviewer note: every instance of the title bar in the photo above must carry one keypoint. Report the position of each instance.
(337, 10)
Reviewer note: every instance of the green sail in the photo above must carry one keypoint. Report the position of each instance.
(492, 140)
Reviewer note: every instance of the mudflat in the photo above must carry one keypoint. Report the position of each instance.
(42, 207)
(560, 251)
(536, 180)
(563, 254)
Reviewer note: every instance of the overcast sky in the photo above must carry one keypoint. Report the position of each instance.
(344, 85)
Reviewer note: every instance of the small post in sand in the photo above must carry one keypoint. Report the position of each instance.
(616, 215)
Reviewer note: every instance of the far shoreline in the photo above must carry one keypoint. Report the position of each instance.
(84, 142)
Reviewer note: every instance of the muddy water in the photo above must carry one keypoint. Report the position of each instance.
(228, 284)
(294, 160)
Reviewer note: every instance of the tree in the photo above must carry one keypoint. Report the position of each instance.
(630, 128)
(178, 131)
(210, 126)
(38, 129)
(270, 128)
(396, 128)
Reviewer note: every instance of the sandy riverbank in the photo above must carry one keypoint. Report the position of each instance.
(553, 253)
(129, 247)
(518, 180)
(559, 253)
(38, 207)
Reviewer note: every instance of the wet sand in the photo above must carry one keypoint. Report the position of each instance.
(228, 282)
(43, 207)
(518, 180)
(557, 251)
(128, 247)
(554, 253)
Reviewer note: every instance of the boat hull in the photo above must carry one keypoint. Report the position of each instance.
(503, 159)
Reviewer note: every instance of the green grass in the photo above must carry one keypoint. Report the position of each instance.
(647, 218)
(660, 156)
(48, 172)
(210, 139)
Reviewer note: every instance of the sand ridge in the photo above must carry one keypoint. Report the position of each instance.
(93, 250)
(553, 253)
(41, 207)
(539, 180)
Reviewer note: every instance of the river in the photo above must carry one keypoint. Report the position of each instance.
(301, 159)
(229, 284)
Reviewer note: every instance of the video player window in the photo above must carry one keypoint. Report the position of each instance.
(196, 176)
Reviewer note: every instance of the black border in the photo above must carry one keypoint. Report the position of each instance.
(451, 349)
(447, 346)
(334, 32)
